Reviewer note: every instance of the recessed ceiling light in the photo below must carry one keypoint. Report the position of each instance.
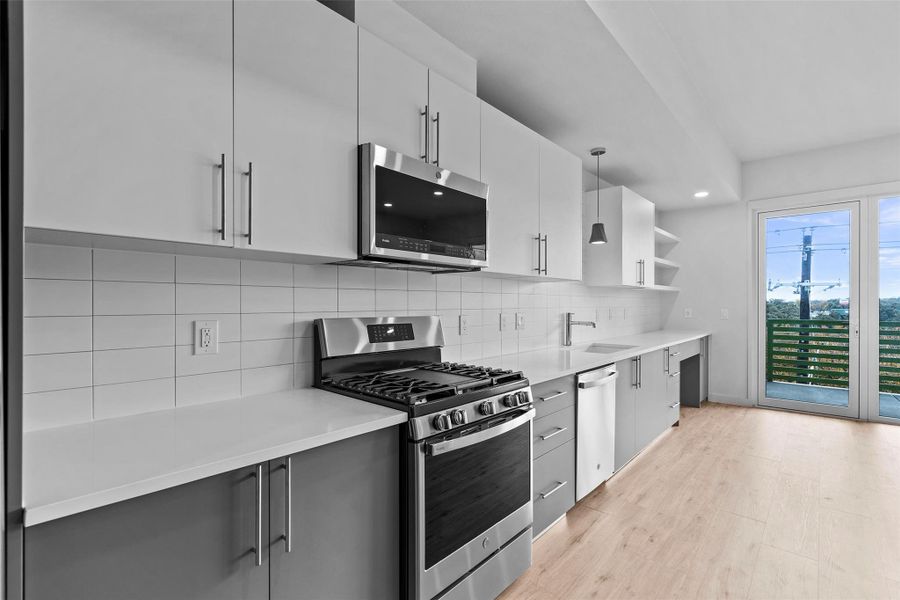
(438, 193)
(388, 204)
(701, 194)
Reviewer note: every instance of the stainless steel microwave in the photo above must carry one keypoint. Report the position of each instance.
(416, 215)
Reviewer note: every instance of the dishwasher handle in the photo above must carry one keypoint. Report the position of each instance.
(585, 385)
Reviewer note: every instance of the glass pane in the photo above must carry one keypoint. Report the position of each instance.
(808, 308)
(889, 306)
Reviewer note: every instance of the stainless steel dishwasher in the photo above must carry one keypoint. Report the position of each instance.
(596, 426)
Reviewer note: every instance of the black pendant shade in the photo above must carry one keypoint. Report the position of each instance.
(598, 234)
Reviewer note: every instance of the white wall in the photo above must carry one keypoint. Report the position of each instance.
(714, 255)
(845, 166)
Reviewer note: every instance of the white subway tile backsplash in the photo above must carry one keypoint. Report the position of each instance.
(472, 301)
(266, 273)
(47, 372)
(123, 399)
(491, 300)
(209, 387)
(419, 280)
(47, 335)
(303, 375)
(202, 269)
(391, 300)
(229, 327)
(390, 279)
(353, 300)
(303, 350)
(256, 299)
(448, 301)
(315, 300)
(267, 353)
(120, 265)
(423, 300)
(188, 363)
(448, 283)
(135, 364)
(491, 285)
(267, 380)
(267, 326)
(303, 322)
(56, 298)
(40, 261)
(356, 278)
(315, 276)
(134, 331)
(55, 409)
(472, 283)
(118, 298)
(196, 298)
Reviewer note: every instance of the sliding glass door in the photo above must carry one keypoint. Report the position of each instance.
(809, 309)
(888, 355)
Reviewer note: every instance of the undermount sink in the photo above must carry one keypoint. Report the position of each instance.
(607, 348)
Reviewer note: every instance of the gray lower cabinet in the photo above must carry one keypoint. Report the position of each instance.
(642, 407)
(197, 541)
(194, 541)
(553, 451)
(704, 369)
(626, 385)
(345, 531)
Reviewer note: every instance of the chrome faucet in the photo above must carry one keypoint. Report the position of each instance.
(569, 322)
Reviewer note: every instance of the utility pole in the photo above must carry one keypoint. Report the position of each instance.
(805, 287)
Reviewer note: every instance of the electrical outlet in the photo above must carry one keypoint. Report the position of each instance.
(505, 324)
(206, 337)
(723, 314)
(688, 313)
(520, 320)
(463, 325)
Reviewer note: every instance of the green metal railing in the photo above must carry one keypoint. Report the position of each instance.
(817, 352)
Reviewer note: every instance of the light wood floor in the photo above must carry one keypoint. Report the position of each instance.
(735, 503)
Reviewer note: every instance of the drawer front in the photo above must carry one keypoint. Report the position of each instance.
(553, 431)
(680, 352)
(554, 395)
(554, 485)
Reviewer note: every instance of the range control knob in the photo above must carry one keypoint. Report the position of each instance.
(486, 408)
(459, 417)
(511, 401)
(523, 397)
(442, 422)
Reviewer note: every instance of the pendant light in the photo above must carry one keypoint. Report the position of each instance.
(598, 232)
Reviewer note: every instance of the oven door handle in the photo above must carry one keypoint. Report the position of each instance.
(438, 448)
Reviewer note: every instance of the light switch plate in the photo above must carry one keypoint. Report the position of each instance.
(206, 337)
(520, 320)
(724, 314)
(463, 325)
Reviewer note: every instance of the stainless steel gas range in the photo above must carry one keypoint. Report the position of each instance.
(466, 465)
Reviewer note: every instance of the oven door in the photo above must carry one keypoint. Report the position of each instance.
(473, 495)
(417, 212)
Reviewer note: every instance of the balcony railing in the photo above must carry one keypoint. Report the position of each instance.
(817, 352)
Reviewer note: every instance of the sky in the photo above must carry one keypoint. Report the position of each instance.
(831, 251)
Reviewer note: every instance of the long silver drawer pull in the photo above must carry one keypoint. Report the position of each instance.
(675, 374)
(676, 405)
(467, 440)
(552, 396)
(675, 354)
(259, 529)
(557, 431)
(584, 385)
(222, 166)
(289, 511)
(249, 234)
(559, 485)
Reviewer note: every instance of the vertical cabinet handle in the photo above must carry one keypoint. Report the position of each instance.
(546, 252)
(259, 528)
(538, 239)
(222, 185)
(424, 114)
(666, 362)
(638, 264)
(437, 138)
(249, 234)
(289, 511)
(640, 370)
(634, 374)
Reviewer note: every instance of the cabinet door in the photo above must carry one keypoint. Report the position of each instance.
(456, 133)
(193, 541)
(670, 410)
(393, 91)
(510, 165)
(560, 208)
(637, 239)
(295, 121)
(625, 413)
(127, 114)
(649, 398)
(345, 513)
(704, 369)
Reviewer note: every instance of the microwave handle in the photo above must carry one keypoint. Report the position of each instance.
(438, 448)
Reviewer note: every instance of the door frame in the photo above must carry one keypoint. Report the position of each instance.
(858, 299)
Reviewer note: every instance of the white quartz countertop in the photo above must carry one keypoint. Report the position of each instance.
(550, 363)
(79, 467)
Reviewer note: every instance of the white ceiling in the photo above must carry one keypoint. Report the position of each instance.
(681, 92)
(782, 77)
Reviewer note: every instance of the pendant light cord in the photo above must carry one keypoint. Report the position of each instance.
(598, 188)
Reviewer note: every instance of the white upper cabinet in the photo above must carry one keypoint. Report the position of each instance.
(455, 136)
(295, 84)
(393, 95)
(510, 165)
(128, 113)
(560, 222)
(627, 259)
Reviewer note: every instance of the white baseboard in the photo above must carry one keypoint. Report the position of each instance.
(735, 400)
